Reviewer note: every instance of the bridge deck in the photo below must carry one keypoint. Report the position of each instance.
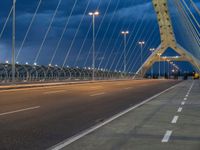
(38, 118)
(170, 121)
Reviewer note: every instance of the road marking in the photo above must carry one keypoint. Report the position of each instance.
(128, 88)
(180, 109)
(183, 103)
(20, 110)
(186, 95)
(54, 92)
(167, 136)
(74, 138)
(175, 119)
(98, 94)
(185, 99)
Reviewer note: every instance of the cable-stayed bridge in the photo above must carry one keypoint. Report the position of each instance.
(99, 74)
(174, 25)
(168, 39)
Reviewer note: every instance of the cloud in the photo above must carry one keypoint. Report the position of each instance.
(140, 10)
(126, 12)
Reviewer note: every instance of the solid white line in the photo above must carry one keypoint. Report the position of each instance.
(175, 119)
(92, 129)
(20, 110)
(98, 94)
(180, 109)
(167, 136)
(53, 92)
(183, 103)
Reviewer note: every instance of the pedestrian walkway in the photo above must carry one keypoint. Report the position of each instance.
(168, 122)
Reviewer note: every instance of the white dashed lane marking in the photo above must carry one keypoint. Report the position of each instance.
(20, 110)
(54, 92)
(180, 109)
(98, 94)
(183, 103)
(175, 119)
(167, 136)
(128, 88)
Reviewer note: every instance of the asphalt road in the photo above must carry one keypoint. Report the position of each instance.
(38, 118)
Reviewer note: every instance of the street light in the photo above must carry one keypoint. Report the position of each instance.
(93, 14)
(159, 54)
(141, 43)
(152, 50)
(171, 67)
(125, 33)
(168, 68)
(164, 65)
(13, 43)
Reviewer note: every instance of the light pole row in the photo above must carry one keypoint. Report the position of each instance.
(124, 33)
(165, 60)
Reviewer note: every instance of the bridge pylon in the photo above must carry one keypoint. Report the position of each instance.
(168, 40)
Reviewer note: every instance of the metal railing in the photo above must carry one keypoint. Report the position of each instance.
(35, 73)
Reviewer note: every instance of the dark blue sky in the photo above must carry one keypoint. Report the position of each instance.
(133, 15)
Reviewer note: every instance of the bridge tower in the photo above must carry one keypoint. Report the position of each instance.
(168, 40)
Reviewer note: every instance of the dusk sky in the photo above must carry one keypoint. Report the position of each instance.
(137, 16)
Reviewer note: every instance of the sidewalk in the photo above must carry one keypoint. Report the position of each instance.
(157, 125)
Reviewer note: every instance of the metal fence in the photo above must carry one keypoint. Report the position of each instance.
(35, 73)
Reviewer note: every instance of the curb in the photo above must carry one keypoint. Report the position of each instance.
(12, 87)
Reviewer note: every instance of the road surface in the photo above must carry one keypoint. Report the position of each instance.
(38, 118)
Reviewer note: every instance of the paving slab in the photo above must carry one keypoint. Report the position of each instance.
(145, 127)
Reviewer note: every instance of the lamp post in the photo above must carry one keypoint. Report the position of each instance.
(171, 64)
(164, 65)
(125, 33)
(159, 54)
(141, 43)
(152, 50)
(168, 67)
(13, 43)
(93, 14)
